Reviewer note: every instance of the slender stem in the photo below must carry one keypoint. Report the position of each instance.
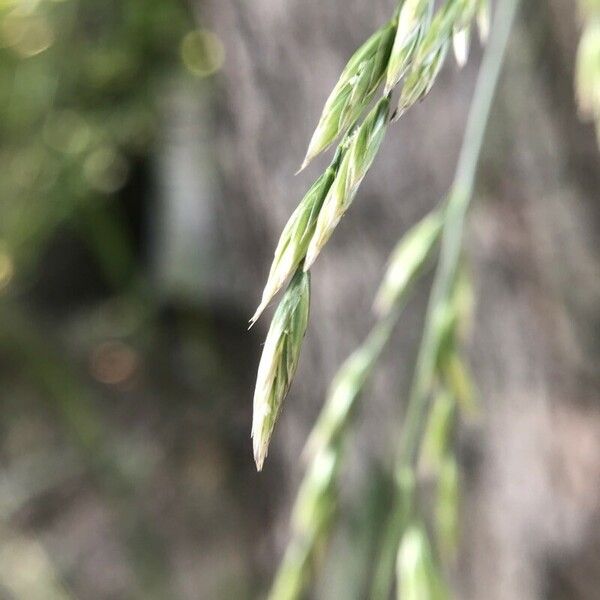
(458, 202)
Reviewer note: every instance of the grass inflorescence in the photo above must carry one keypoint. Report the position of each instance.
(410, 48)
(407, 52)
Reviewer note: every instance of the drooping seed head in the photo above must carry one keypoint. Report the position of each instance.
(354, 90)
(362, 148)
(413, 21)
(406, 262)
(279, 361)
(449, 16)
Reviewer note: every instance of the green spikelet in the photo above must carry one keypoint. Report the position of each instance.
(354, 90)
(278, 362)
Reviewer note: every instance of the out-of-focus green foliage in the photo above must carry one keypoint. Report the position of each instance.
(78, 89)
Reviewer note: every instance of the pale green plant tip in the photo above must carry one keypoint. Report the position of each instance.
(458, 379)
(311, 517)
(314, 503)
(452, 20)
(460, 44)
(279, 361)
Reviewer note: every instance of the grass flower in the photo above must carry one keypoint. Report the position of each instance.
(279, 361)
(359, 156)
(296, 235)
(454, 17)
(354, 90)
(413, 21)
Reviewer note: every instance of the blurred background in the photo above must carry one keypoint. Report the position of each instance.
(147, 152)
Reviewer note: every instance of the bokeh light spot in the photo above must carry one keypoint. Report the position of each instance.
(27, 34)
(66, 131)
(105, 170)
(113, 363)
(202, 52)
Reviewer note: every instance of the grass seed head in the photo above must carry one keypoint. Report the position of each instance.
(294, 239)
(357, 160)
(279, 361)
(454, 16)
(421, 78)
(447, 508)
(354, 90)
(437, 438)
(413, 21)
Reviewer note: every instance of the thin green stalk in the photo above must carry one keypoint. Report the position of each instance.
(459, 200)
(458, 203)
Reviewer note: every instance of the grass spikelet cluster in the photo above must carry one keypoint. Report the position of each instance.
(413, 21)
(353, 91)
(409, 50)
(297, 234)
(413, 42)
(278, 362)
(357, 160)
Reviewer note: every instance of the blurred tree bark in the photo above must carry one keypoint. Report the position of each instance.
(532, 485)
